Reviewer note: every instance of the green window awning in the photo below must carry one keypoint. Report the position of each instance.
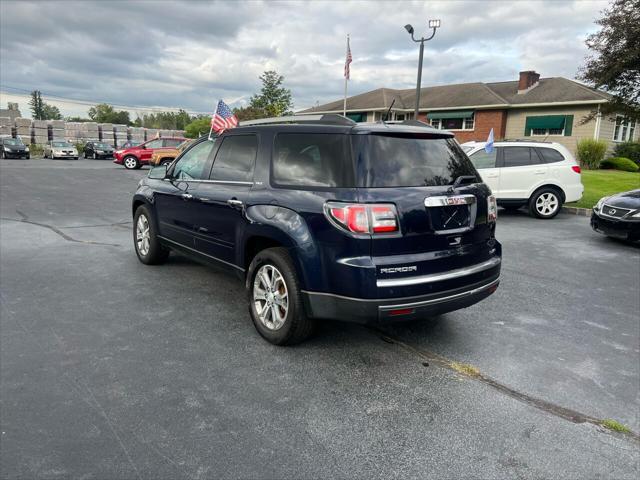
(357, 117)
(443, 115)
(547, 122)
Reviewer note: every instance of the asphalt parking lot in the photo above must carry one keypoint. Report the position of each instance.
(113, 369)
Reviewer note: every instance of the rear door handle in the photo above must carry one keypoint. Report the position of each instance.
(492, 175)
(235, 203)
(540, 172)
(187, 196)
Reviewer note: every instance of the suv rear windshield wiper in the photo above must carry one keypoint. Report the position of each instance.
(462, 179)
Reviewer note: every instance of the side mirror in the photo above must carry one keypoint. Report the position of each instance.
(158, 173)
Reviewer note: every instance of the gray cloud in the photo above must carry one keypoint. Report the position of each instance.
(188, 54)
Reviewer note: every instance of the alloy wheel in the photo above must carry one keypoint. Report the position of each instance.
(143, 236)
(546, 204)
(130, 162)
(270, 297)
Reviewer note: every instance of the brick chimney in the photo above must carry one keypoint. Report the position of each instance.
(528, 80)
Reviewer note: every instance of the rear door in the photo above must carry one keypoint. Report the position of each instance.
(174, 198)
(221, 199)
(149, 147)
(520, 169)
(441, 226)
(485, 163)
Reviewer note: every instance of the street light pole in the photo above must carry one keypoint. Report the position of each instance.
(434, 25)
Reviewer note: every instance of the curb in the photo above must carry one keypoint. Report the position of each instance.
(585, 212)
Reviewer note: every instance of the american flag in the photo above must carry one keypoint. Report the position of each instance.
(348, 61)
(223, 118)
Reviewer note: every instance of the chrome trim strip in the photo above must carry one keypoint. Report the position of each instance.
(378, 300)
(200, 253)
(438, 277)
(222, 182)
(448, 200)
(425, 303)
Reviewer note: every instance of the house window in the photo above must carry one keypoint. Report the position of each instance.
(624, 129)
(548, 125)
(545, 132)
(451, 122)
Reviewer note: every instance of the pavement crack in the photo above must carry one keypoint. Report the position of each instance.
(25, 219)
(559, 411)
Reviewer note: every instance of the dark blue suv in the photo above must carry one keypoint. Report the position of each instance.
(328, 219)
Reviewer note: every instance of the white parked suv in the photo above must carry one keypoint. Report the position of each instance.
(541, 175)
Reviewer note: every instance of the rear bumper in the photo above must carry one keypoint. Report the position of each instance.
(573, 192)
(372, 311)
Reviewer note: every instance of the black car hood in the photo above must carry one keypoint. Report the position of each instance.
(18, 148)
(629, 199)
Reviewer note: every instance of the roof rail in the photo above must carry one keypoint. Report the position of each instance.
(327, 118)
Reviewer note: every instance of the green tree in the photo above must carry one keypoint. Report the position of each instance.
(273, 99)
(249, 113)
(104, 113)
(50, 112)
(77, 119)
(36, 105)
(165, 120)
(198, 127)
(614, 61)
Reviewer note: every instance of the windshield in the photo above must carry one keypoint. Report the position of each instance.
(12, 141)
(410, 161)
(61, 144)
(102, 145)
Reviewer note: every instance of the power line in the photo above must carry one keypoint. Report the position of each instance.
(91, 104)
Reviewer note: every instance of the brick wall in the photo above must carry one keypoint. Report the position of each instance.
(484, 121)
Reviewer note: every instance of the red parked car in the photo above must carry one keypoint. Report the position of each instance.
(136, 156)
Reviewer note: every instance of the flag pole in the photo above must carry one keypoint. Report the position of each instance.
(212, 117)
(344, 105)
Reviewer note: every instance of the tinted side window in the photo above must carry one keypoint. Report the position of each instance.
(549, 155)
(154, 143)
(191, 164)
(482, 159)
(312, 160)
(516, 156)
(235, 159)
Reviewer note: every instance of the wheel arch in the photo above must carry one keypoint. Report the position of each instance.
(272, 226)
(551, 185)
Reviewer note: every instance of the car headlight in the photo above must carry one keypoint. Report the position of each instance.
(636, 215)
(600, 203)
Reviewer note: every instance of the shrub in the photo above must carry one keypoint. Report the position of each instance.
(79, 146)
(36, 150)
(620, 163)
(591, 152)
(630, 150)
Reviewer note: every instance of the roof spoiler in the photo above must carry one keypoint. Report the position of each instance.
(326, 119)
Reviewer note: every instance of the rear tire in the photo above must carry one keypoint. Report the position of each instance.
(145, 238)
(545, 203)
(131, 163)
(275, 298)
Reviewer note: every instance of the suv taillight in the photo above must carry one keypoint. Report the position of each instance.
(576, 168)
(378, 218)
(492, 209)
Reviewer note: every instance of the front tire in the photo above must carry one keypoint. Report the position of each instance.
(145, 238)
(545, 203)
(275, 298)
(131, 163)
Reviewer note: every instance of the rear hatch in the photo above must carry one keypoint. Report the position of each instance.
(440, 202)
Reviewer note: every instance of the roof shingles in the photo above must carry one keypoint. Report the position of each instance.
(497, 94)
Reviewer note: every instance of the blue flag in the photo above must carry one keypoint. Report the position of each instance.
(488, 147)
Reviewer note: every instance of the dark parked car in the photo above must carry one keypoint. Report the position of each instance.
(328, 219)
(618, 216)
(97, 150)
(13, 148)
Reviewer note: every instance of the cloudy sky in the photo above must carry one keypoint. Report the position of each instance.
(149, 54)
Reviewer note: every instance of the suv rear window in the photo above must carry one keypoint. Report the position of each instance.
(312, 160)
(411, 161)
